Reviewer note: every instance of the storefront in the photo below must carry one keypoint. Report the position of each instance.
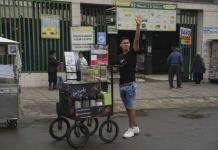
(160, 29)
(21, 20)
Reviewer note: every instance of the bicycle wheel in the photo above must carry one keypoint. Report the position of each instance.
(91, 124)
(108, 131)
(77, 136)
(58, 128)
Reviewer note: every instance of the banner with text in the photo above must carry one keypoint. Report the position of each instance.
(153, 18)
(82, 35)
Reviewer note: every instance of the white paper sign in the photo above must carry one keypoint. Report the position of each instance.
(82, 35)
(69, 58)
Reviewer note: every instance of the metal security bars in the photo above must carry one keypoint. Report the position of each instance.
(188, 19)
(94, 15)
(20, 20)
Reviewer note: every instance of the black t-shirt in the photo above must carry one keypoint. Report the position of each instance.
(127, 63)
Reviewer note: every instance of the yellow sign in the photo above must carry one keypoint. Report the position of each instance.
(186, 40)
(185, 36)
(50, 26)
(126, 3)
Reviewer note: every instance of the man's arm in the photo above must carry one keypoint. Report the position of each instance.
(136, 46)
(168, 59)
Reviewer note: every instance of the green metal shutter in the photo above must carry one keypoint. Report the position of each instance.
(188, 19)
(20, 20)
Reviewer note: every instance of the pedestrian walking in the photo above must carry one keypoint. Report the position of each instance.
(175, 61)
(52, 70)
(198, 69)
(81, 62)
(127, 85)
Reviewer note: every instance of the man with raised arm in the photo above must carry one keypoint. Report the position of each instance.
(127, 67)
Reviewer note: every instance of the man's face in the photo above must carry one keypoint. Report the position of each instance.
(80, 55)
(125, 45)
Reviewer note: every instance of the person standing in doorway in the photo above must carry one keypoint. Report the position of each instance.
(127, 84)
(175, 61)
(198, 68)
(52, 70)
(81, 62)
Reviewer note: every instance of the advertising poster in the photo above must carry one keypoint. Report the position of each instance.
(81, 47)
(101, 38)
(185, 36)
(82, 35)
(112, 30)
(99, 55)
(154, 17)
(50, 26)
(126, 3)
(210, 32)
(12, 49)
(70, 63)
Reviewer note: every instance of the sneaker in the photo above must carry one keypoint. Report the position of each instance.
(129, 133)
(136, 130)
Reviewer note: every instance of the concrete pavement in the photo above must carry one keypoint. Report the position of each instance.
(164, 129)
(40, 103)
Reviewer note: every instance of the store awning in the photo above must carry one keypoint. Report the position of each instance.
(7, 41)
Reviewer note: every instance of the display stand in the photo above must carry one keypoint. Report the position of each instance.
(70, 64)
(84, 101)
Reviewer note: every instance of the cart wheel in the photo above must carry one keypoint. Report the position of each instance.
(108, 131)
(77, 136)
(12, 123)
(91, 124)
(58, 128)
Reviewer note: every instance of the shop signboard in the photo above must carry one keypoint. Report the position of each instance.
(126, 3)
(111, 29)
(185, 36)
(82, 35)
(210, 32)
(159, 17)
(50, 26)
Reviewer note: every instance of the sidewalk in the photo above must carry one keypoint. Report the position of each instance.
(40, 103)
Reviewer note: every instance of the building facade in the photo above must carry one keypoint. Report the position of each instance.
(200, 16)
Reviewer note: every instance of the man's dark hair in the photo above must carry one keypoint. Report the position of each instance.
(51, 52)
(124, 38)
(80, 53)
(173, 46)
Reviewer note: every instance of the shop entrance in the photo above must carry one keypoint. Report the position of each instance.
(161, 47)
(156, 47)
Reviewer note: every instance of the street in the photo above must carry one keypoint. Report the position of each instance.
(164, 129)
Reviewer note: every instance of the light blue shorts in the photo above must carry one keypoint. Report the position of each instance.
(127, 94)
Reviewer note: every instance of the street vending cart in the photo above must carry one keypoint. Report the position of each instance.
(84, 101)
(10, 66)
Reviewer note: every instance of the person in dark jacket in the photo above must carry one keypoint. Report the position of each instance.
(52, 70)
(198, 68)
(175, 61)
